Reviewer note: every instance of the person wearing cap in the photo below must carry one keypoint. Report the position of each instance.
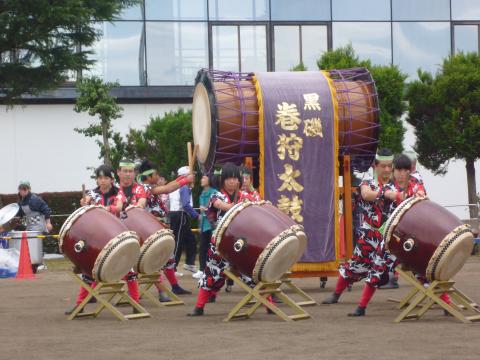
(181, 211)
(151, 181)
(33, 209)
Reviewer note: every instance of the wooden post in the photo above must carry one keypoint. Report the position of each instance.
(347, 206)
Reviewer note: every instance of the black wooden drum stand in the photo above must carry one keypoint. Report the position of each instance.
(146, 281)
(420, 299)
(259, 294)
(107, 294)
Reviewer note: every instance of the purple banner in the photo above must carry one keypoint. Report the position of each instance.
(299, 157)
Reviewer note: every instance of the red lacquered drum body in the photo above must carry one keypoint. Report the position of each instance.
(258, 241)
(99, 244)
(428, 239)
(157, 242)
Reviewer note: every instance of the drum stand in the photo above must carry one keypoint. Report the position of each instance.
(146, 281)
(425, 297)
(307, 299)
(260, 294)
(111, 292)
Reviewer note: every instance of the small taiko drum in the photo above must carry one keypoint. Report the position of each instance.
(99, 244)
(157, 242)
(256, 242)
(428, 239)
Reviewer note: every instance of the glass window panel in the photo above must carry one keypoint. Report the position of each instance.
(287, 47)
(369, 40)
(253, 41)
(239, 10)
(312, 10)
(131, 13)
(314, 44)
(361, 10)
(421, 9)
(225, 48)
(175, 52)
(120, 53)
(465, 10)
(176, 10)
(420, 45)
(466, 38)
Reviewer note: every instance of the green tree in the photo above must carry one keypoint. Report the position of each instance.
(95, 99)
(390, 83)
(163, 141)
(40, 41)
(445, 112)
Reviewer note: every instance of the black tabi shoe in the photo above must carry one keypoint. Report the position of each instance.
(446, 313)
(177, 290)
(332, 299)
(93, 300)
(359, 311)
(196, 312)
(228, 288)
(135, 311)
(162, 297)
(276, 299)
(212, 299)
(69, 312)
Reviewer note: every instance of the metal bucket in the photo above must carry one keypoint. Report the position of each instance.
(35, 244)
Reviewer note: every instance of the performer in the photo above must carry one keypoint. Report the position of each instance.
(181, 209)
(375, 207)
(156, 206)
(106, 194)
(414, 172)
(247, 184)
(220, 202)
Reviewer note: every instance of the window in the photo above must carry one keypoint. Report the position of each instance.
(299, 43)
(466, 38)
(175, 52)
(120, 53)
(465, 9)
(354, 10)
(176, 9)
(370, 40)
(420, 45)
(239, 10)
(421, 9)
(239, 48)
(134, 12)
(306, 10)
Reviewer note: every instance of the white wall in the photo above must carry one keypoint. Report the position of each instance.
(37, 143)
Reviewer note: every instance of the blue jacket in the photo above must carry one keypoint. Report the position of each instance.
(185, 193)
(36, 203)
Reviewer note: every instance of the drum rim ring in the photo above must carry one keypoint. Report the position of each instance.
(443, 248)
(147, 244)
(108, 249)
(74, 216)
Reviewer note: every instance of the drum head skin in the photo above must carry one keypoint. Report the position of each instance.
(202, 122)
(156, 251)
(117, 258)
(8, 212)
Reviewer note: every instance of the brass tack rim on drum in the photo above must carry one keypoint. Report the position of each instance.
(113, 244)
(147, 244)
(396, 216)
(257, 273)
(443, 249)
(71, 220)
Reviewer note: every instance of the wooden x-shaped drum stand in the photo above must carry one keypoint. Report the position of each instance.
(107, 294)
(420, 299)
(259, 294)
(307, 300)
(146, 281)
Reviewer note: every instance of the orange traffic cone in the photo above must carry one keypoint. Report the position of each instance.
(24, 263)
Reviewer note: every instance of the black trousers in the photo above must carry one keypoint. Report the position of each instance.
(205, 239)
(184, 238)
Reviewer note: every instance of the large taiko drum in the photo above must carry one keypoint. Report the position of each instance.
(99, 244)
(225, 116)
(256, 242)
(428, 239)
(157, 242)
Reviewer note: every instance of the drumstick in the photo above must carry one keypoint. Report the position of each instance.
(194, 156)
(190, 156)
(83, 190)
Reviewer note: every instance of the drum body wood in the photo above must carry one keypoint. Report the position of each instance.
(99, 244)
(257, 243)
(225, 117)
(428, 239)
(157, 242)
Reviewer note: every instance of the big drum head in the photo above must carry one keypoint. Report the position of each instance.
(156, 251)
(203, 133)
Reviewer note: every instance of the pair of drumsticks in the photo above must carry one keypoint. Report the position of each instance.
(192, 155)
